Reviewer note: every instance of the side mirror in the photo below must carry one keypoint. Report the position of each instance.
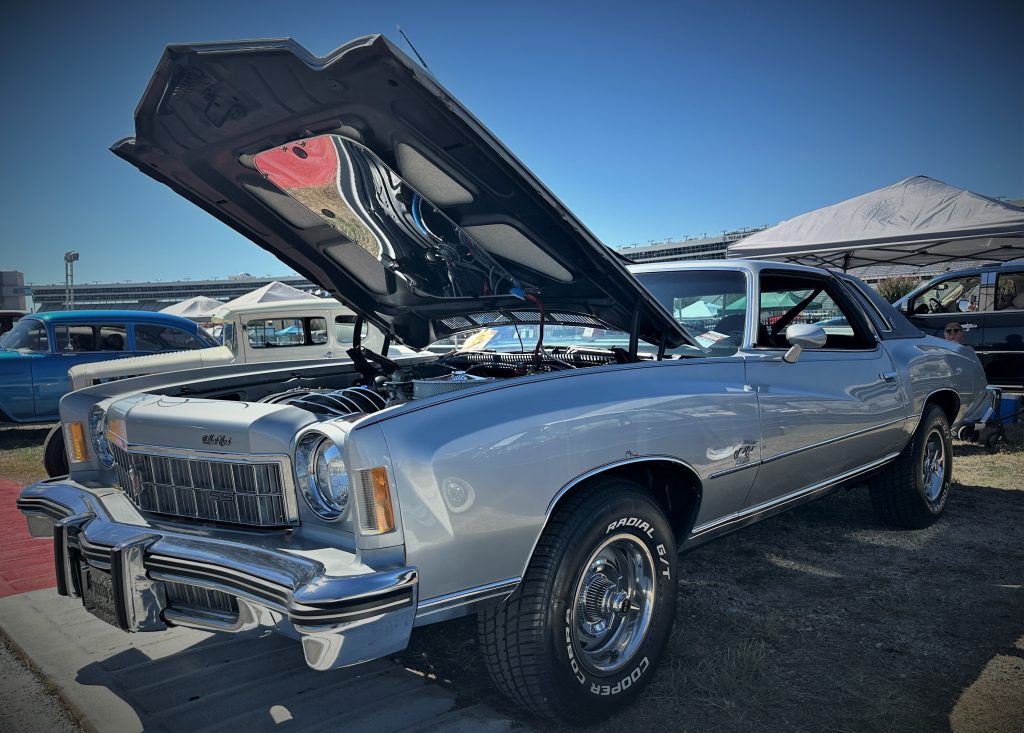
(963, 305)
(803, 336)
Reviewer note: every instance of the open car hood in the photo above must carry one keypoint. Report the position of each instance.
(361, 172)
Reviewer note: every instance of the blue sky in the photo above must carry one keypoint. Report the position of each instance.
(649, 120)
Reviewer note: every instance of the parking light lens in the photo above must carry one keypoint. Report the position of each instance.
(74, 437)
(376, 511)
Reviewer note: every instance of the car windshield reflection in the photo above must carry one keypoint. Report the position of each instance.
(28, 335)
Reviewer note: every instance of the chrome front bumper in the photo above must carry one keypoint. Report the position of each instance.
(142, 577)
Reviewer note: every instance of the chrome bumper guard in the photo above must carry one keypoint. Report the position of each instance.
(140, 577)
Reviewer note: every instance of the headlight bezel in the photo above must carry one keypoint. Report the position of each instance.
(329, 502)
(98, 436)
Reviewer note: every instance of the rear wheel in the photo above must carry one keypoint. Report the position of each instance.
(912, 492)
(580, 637)
(55, 457)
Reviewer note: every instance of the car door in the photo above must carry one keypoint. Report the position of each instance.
(25, 350)
(75, 342)
(837, 409)
(1002, 345)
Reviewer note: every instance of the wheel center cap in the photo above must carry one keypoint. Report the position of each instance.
(620, 603)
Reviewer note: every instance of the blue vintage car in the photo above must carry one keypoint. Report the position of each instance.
(36, 354)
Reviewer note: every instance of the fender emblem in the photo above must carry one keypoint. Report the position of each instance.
(742, 454)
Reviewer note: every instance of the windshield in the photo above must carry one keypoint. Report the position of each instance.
(711, 305)
(28, 334)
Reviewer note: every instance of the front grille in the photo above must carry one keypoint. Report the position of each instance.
(233, 492)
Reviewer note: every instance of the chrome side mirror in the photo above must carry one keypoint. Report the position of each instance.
(803, 336)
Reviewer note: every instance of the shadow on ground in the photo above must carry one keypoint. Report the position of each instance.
(13, 437)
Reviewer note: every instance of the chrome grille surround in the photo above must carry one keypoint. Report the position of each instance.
(247, 490)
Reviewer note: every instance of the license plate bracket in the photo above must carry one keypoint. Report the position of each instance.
(98, 594)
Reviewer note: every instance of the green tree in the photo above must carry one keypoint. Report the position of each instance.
(894, 288)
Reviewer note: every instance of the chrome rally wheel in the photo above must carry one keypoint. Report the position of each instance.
(581, 636)
(613, 602)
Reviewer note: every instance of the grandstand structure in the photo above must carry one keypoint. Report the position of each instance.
(154, 295)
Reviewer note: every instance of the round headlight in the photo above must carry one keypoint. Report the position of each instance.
(321, 475)
(98, 434)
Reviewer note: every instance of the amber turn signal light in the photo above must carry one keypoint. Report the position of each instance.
(376, 511)
(74, 437)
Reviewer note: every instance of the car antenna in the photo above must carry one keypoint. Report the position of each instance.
(402, 34)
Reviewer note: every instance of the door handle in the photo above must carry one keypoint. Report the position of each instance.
(968, 326)
(888, 376)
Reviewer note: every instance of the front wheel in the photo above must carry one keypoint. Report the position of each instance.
(55, 457)
(580, 637)
(912, 492)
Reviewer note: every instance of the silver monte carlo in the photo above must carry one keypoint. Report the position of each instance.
(545, 475)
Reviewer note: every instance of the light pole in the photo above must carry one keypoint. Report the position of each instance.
(70, 258)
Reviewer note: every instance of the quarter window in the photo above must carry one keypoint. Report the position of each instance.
(152, 337)
(1010, 291)
(272, 333)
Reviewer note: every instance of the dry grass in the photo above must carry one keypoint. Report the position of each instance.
(21, 452)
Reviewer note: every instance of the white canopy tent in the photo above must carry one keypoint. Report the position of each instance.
(200, 308)
(700, 309)
(269, 293)
(918, 221)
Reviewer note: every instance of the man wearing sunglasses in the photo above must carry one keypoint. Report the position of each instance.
(954, 332)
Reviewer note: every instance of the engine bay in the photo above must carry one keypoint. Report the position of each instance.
(384, 383)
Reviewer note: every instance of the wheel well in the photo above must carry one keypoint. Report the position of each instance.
(676, 488)
(948, 400)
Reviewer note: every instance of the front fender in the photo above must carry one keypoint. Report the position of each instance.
(476, 474)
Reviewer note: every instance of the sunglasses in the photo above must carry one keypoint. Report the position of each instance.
(954, 330)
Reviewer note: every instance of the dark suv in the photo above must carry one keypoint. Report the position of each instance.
(988, 305)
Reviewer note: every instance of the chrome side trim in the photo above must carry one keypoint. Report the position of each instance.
(831, 441)
(734, 469)
(454, 604)
(793, 496)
